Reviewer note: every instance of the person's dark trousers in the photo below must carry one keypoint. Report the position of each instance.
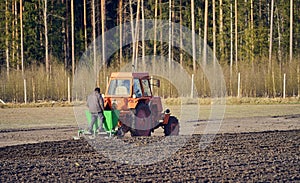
(94, 119)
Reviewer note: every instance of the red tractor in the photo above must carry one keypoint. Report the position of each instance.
(139, 112)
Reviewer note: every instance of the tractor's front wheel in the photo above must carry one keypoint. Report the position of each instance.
(172, 128)
(142, 121)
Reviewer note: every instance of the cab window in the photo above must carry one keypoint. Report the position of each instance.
(146, 87)
(137, 88)
(120, 87)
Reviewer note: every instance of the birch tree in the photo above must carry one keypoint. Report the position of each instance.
(84, 25)
(143, 33)
(161, 32)
(291, 31)
(270, 70)
(21, 44)
(180, 32)
(279, 37)
(73, 38)
(222, 45)
(170, 32)
(271, 34)
(132, 35)
(252, 33)
(121, 31)
(205, 33)
(94, 38)
(15, 35)
(231, 48)
(155, 33)
(155, 26)
(46, 37)
(6, 38)
(103, 31)
(214, 31)
(67, 36)
(193, 35)
(137, 31)
(252, 44)
(236, 32)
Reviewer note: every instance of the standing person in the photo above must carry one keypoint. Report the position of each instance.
(95, 104)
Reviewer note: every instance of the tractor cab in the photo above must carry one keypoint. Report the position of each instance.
(126, 90)
(133, 85)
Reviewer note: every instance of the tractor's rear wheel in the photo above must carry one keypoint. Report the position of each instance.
(142, 125)
(172, 128)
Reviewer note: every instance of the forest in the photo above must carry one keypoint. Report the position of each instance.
(42, 42)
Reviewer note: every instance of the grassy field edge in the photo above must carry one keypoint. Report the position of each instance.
(173, 101)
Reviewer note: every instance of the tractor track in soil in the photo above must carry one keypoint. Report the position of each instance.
(36, 129)
(269, 156)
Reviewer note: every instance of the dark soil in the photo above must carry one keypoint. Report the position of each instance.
(272, 156)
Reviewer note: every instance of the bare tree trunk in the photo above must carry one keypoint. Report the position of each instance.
(270, 70)
(103, 33)
(6, 38)
(17, 36)
(155, 33)
(64, 41)
(200, 37)
(273, 82)
(231, 49)
(21, 28)
(252, 31)
(205, 33)
(271, 35)
(172, 42)
(279, 36)
(236, 34)
(143, 33)
(222, 45)
(67, 45)
(180, 33)
(94, 40)
(137, 31)
(46, 38)
(291, 30)
(132, 35)
(160, 17)
(121, 30)
(13, 33)
(298, 74)
(214, 31)
(84, 25)
(33, 89)
(252, 45)
(98, 15)
(170, 33)
(193, 35)
(73, 39)
(50, 20)
(155, 25)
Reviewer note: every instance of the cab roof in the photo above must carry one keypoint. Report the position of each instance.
(129, 75)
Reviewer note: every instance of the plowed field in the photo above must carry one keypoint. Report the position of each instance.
(262, 156)
(254, 144)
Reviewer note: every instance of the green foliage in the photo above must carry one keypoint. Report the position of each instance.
(253, 43)
(33, 32)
